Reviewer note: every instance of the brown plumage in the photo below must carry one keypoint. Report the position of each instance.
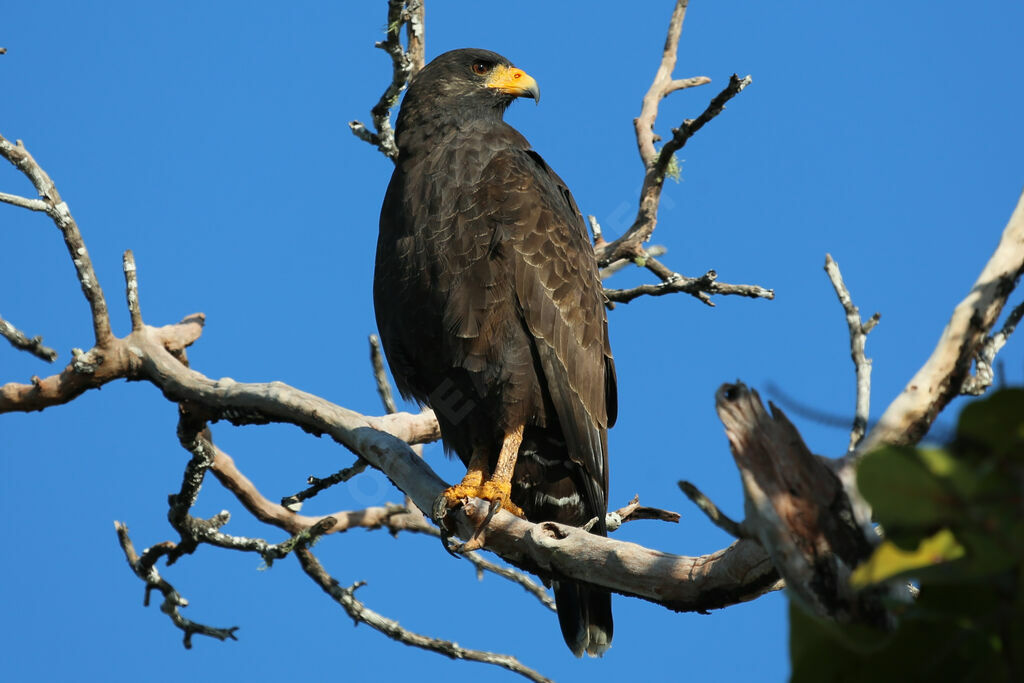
(490, 307)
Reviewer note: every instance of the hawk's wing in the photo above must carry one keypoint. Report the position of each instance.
(561, 299)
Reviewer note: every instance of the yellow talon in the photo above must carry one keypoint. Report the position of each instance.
(500, 492)
(492, 491)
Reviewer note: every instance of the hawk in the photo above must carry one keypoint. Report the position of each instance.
(486, 289)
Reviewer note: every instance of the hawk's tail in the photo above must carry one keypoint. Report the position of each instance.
(585, 615)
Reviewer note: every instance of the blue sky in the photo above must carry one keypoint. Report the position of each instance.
(212, 139)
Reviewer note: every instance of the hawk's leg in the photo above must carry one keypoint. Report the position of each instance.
(499, 487)
(496, 490)
(472, 483)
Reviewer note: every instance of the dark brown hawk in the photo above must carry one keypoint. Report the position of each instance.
(491, 311)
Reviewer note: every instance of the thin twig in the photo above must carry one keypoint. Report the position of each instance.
(317, 485)
(634, 511)
(404, 65)
(662, 85)
(24, 202)
(381, 376)
(717, 517)
(131, 282)
(513, 575)
(21, 341)
(145, 569)
(646, 220)
(699, 287)
(58, 211)
(629, 246)
(984, 375)
(394, 518)
(858, 337)
(360, 613)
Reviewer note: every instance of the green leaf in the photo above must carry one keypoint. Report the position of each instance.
(902, 489)
(957, 475)
(993, 426)
(889, 560)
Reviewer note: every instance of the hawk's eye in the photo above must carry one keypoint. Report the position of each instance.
(481, 68)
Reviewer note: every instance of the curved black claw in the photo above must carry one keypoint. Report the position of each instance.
(439, 513)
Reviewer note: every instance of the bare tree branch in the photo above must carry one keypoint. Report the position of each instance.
(360, 613)
(144, 567)
(20, 341)
(634, 511)
(941, 378)
(798, 510)
(662, 86)
(24, 202)
(404, 65)
(394, 518)
(858, 336)
(317, 484)
(717, 517)
(58, 211)
(627, 245)
(735, 574)
(698, 287)
(984, 375)
(381, 376)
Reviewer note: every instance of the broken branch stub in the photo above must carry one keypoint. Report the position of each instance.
(798, 510)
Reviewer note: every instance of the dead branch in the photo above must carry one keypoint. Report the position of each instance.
(634, 511)
(20, 341)
(144, 567)
(404, 65)
(294, 502)
(360, 613)
(678, 582)
(977, 384)
(941, 378)
(381, 376)
(713, 513)
(698, 287)
(735, 574)
(858, 336)
(58, 211)
(629, 247)
(662, 86)
(798, 510)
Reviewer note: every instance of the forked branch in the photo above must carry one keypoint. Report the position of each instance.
(404, 65)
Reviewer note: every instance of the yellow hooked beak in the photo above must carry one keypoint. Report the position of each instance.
(514, 81)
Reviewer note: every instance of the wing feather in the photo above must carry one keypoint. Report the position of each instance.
(562, 303)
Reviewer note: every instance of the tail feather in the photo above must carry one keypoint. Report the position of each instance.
(585, 615)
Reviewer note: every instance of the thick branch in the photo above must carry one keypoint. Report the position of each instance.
(738, 573)
(797, 509)
(940, 380)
